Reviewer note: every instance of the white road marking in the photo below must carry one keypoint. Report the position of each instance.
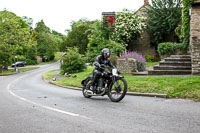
(43, 106)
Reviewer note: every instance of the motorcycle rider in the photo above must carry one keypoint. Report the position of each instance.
(101, 61)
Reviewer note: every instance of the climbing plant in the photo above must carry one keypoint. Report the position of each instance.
(185, 28)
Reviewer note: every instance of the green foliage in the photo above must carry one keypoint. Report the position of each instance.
(31, 62)
(29, 21)
(21, 58)
(78, 35)
(98, 39)
(72, 61)
(41, 27)
(164, 17)
(99, 33)
(14, 34)
(115, 48)
(149, 58)
(169, 48)
(46, 45)
(59, 39)
(128, 26)
(140, 66)
(47, 42)
(185, 29)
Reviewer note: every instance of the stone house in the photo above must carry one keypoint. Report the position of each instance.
(143, 43)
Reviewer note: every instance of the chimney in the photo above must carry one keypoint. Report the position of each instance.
(146, 2)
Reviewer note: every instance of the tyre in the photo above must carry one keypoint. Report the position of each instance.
(117, 90)
(86, 86)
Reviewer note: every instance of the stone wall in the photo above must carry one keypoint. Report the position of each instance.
(127, 65)
(195, 37)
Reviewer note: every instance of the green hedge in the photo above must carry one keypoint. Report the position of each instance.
(169, 48)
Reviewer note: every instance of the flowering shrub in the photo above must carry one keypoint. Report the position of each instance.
(128, 26)
(141, 61)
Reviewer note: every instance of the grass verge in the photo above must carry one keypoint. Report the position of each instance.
(187, 87)
(12, 71)
(151, 64)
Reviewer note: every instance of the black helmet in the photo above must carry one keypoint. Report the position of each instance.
(106, 51)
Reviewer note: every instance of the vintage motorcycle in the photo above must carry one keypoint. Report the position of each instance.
(110, 84)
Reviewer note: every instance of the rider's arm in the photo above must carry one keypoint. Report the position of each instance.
(96, 63)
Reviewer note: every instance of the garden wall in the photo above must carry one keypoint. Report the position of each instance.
(127, 65)
(195, 37)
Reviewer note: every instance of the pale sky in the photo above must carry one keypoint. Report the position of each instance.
(58, 14)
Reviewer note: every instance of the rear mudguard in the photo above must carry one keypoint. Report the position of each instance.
(83, 81)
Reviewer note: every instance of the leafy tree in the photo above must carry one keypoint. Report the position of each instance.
(60, 35)
(98, 39)
(41, 27)
(60, 38)
(14, 34)
(98, 34)
(128, 26)
(46, 45)
(164, 17)
(78, 35)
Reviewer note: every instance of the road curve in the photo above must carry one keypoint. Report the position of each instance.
(30, 105)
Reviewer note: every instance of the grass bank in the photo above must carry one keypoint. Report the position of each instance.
(12, 71)
(173, 86)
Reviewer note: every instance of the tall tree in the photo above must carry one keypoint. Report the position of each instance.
(46, 42)
(14, 34)
(41, 27)
(164, 17)
(78, 35)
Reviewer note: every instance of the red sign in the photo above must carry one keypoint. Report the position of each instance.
(110, 19)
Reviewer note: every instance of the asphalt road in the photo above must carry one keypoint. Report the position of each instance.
(30, 105)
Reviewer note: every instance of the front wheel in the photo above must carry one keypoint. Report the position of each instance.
(117, 90)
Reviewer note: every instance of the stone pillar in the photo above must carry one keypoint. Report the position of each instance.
(195, 37)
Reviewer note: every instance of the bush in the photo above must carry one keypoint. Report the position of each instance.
(149, 58)
(141, 61)
(169, 48)
(31, 62)
(72, 62)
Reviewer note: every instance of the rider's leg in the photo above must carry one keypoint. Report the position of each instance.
(96, 75)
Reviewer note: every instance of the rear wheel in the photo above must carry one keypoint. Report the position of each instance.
(86, 87)
(117, 90)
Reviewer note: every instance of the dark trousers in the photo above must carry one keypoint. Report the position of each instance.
(96, 75)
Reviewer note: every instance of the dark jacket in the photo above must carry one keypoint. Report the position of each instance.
(101, 60)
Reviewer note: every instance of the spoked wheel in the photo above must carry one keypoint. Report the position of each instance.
(86, 87)
(117, 90)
